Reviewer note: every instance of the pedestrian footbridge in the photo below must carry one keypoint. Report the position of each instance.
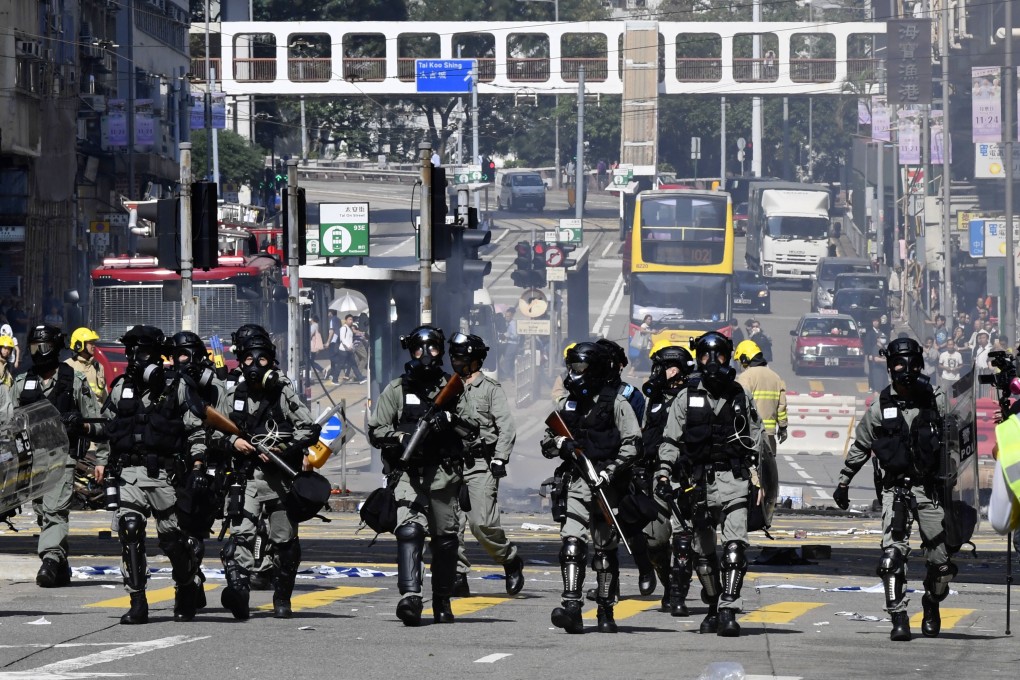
(514, 58)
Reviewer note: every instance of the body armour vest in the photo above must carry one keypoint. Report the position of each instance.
(913, 450)
(656, 417)
(712, 438)
(268, 418)
(595, 430)
(61, 396)
(415, 403)
(139, 429)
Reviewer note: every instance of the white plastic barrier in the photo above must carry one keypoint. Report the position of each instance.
(820, 423)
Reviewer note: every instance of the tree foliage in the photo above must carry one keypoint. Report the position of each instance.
(239, 160)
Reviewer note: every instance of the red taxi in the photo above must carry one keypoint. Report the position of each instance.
(827, 342)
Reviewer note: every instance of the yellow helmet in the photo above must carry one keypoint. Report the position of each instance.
(657, 345)
(567, 349)
(80, 337)
(746, 350)
(7, 341)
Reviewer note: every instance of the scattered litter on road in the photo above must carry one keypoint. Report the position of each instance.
(785, 586)
(41, 621)
(854, 616)
(537, 562)
(530, 526)
(306, 628)
(493, 577)
(723, 670)
(821, 623)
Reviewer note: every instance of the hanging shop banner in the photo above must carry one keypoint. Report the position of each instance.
(880, 127)
(986, 104)
(909, 63)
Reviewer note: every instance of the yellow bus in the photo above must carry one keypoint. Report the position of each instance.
(681, 265)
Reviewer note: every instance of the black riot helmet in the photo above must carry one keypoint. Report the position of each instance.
(421, 343)
(588, 367)
(258, 375)
(617, 354)
(467, 353)
(249, 330)
(905, 360)
(665, 357)
(144, 347)
(44, 344)
(713, 352)
(196, 362)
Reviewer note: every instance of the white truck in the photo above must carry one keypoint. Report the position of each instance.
(788, 228)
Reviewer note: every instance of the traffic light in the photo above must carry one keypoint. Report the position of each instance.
(302, 227)
(567, 248)
(441, 236)
(205, 241)
(488, 170)
(465, 269)
(538, 279)
(749, 152)
(166, 218)
(522, 276)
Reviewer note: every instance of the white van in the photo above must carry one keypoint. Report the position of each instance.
(519, 189)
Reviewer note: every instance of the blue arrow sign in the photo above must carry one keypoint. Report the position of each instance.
(443, 75)
(333, 428)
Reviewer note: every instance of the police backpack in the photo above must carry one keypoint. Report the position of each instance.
(309, 493)
(379, 511)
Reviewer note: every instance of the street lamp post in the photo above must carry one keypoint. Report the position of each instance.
(556, 141)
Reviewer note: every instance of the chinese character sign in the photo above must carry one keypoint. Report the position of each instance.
(880, 120)
(986, 104)
(909, 45)
(909, 138)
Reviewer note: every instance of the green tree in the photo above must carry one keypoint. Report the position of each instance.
(239, 160)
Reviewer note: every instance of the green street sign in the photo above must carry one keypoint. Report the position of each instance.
(570, 231)
(343, 229)
(623, 177)
(472, 173)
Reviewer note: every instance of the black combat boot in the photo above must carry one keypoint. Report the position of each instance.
(646, 572)
(139, 612)
(931, 624)
(409, 610)
(234, 598)
(900, 627)
(568, 617)
(607, 624)
(678, 597)
(441, 610)
(289, 557)
(514, 570)
(728, 626)
(200, 601)
(53, 573)
(186, 601)
(262, 580)
(710, 624)
(461, 587)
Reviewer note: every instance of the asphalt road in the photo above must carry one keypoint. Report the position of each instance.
(796, 623)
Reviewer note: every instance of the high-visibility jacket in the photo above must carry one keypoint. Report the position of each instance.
(769, 393)
(94, 374)
(1007, 438)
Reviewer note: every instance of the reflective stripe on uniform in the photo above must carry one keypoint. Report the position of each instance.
(1007, 436)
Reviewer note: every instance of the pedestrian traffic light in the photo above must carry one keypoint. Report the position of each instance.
(488, 170)
(538, 279)
(522, 276)
(205, 241)
(302, 227)
(441, 236)
(465, 269)
(567, 248)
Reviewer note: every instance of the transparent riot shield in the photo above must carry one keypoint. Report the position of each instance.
(768, 474)
(958, 473)
(33, 452)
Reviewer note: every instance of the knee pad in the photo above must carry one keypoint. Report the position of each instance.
(891, 563)
(573, 554)
(605, 560)
(733, 556)
(573, 550)
(938, 578)
(131, 528)
(410, 532)
(289, 554)
(708, 575)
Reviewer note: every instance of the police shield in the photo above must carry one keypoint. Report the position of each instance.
(958, 471)
(768, 474)
(33, 452)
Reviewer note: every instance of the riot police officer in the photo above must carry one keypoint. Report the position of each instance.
(902, 428)
(83, 344)
(429, 481)
(604, 427)
(713, 438)
(485, 461)
(67, 390)
(156, 435)
(671, 366)
(266, 409)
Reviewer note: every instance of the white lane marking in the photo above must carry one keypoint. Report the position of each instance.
(795, 466)
(605, 251)
(772, 677)
(501, 236)
(69, 666)
(803, 474)
(36, 675)
(609, 306)
(492, 658)
(400, 245)
(821, 494)
(42, 645)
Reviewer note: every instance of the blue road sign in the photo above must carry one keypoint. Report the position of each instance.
(443, 75)
(333, 428)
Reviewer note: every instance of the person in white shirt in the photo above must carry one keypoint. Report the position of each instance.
(950, 361)
(348, 360)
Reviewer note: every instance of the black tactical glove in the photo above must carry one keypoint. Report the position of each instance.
(663, 489)
(198, 480)
(841, 496)
(440, 421)
(497, 468)
(73, 423)
(782, 435)
(549, 448)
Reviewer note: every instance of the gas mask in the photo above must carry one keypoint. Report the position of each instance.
(654, 387)
(200, 371)
(146, 367)
(716, 376)
(45, 355)
(259, 377)
(906, 372)
(581, 382)
(425, 368)
(461, 366)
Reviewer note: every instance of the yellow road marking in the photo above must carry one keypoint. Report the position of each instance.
(816, 385)
(781, 612)
(462, 606)
(320, 598)
(863, 388)
(625, 609)
(950, 617)
(152, 596)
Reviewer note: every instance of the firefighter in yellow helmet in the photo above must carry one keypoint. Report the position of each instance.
(7, 349)
(83, 344)
(558, 390)
(766, 387)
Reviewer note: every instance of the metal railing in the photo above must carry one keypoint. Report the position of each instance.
(528, 70)
(365, 69)
(257, 70)
(310, 70)
(812, 70)
(699, 69)
(198, 69)
(596, 69)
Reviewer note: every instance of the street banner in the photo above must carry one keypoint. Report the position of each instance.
(880, 127)
(986, 104)
(909, 61)
(909, 139)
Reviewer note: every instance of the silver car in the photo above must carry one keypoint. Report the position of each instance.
(825, 278)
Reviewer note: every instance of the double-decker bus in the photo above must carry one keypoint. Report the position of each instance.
(681, 263)
(244, 288)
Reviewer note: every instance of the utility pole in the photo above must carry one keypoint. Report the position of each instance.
(1009, 140)
(756, 101)
(425, 234)
(207, 99)
(947, 241)
(579, 169)
(189, 305)
(474, 132)
(294, 285)
(722, 142)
